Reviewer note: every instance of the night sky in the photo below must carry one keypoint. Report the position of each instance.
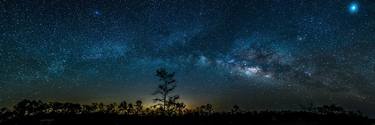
(258, 54)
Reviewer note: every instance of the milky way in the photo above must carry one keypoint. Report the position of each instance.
(270, 54)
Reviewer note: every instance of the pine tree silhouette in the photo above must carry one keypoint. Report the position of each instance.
(166, 101)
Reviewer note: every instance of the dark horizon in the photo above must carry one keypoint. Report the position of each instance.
(256, 54)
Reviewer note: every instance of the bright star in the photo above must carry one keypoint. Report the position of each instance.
(353, 8)
(97, 13)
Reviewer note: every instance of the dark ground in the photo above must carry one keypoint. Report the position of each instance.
(29, 112)
(260, 118)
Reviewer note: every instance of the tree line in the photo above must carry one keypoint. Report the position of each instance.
(167, 105)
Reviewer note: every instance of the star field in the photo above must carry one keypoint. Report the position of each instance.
(271, 54)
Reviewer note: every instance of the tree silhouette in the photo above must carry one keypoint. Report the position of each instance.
(30, 108)
(209, 108)
(308, 107)
(138, 107)
(205, 109)
(98, 107)
(112, 108)
(72, 108)
(130, 109)
(329, 109)
(236, 109)
(180, 108)
(56, 107)
(86, 109)
(123, 107)
(5, 115)
(166, 102)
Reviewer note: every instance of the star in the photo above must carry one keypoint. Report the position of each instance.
(97, 13)
(353, 8)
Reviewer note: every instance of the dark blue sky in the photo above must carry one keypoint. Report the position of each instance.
(258, 54)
